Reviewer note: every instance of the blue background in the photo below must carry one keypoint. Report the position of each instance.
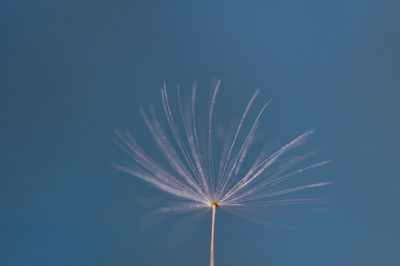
(72, 71)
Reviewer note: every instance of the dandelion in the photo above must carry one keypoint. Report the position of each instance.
(192, 175)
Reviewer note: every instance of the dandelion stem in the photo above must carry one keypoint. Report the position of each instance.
(214, 208)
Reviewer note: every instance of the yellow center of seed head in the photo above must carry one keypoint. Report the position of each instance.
(214, 203)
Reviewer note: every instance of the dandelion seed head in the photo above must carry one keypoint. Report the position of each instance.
(202, 178)
(215, 170)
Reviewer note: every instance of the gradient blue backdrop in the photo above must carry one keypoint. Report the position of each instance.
(72, 71)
